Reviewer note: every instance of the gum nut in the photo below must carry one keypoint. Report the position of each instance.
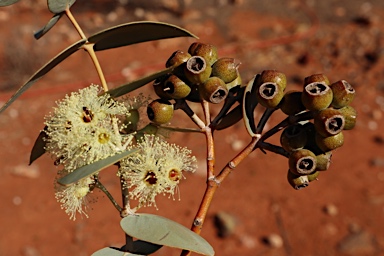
(313, 176)
(329, 143)
(234, 83)
(323, 161)
(160, 111)
(293, 137)
(177, 58)
(297, 181)
(196, 70)
(329, 122)
(158, 87)
(316, 96)
(302, 162)
(269, 95)
(176, 88)
(225, 69)
(350, 116)
(207, 51)
(213, 90)
(321, 78)
(274, 76)
(343, 94)
(291, 103)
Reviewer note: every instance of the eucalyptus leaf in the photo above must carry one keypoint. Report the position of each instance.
(58, 6)
(231, 118)
(90, 169)
(135, 32)
(44, 70)
(52, 22)
(7, 2)
(131, 86)
(108, 251)
(159, 230)
(39, 147)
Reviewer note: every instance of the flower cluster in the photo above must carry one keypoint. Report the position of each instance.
(155, 169)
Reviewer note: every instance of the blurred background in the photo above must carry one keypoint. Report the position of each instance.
(260, 214)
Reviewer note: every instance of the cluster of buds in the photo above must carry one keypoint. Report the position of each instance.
(197, 75)
(310, 144)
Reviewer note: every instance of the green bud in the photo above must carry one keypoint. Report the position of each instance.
(329, 143)
(317, 96)
(293, 137)
(177, 58)
(225, 69)
(160, 111)
(343, 94)
(132, 120)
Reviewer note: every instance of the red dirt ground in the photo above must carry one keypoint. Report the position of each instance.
(341, 214)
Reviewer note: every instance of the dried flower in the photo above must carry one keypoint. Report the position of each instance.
(73, 199)
(155, 169)
(83, 128)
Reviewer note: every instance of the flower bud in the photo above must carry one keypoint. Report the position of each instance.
(320, 78)
(302, 162)
(297, 181)
(316, 96)
(269, 94)
(176, 88)
(293, 137)
(350, 116)
(329, 122)
(343, 94)
(329, 143)
(225, 69)
(207, 51)
(132, 120)
(160, 111)
(213, 90)
(323, 161)
(177, 58)
(291, 103)
(197, 70)
(274, 76)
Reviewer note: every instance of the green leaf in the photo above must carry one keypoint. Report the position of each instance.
(113, 252)
(131, 86)
(159, 230)
(90, 169)
(39, 147)
(135, 32)
(58, 6)
(44, 70)
(7, 2)
(52, 22)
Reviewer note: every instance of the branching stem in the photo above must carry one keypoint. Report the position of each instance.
(100, 186)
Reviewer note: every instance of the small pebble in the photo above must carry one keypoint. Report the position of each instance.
(274, 240)
(331, 210)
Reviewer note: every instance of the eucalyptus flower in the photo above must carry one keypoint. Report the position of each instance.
(74, 198)
(155, 169)
(83, 128)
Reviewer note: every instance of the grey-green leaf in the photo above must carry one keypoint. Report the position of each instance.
(131, 86)
(58, 6)
(90, 169)
(52, 22)
(135, 32)
(113, 252)
(159, 230)
(44, 70)
(39, 147)
(7, 2)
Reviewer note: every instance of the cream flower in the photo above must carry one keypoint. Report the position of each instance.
(73, 199)
(155, 169)
(83, 128)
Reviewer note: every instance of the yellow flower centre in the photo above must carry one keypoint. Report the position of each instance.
(103, 138)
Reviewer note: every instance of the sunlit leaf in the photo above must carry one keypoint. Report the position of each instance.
(49, 25)
(135, 32)
(231, 118)
(113, 252)
(249, 105)
(131, 86)
(44, 70)
(159, 230)
(58, 6)
(88, 170)
(39, 147)
(7, 2)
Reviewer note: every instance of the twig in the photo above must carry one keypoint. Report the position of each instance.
(100, 186)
